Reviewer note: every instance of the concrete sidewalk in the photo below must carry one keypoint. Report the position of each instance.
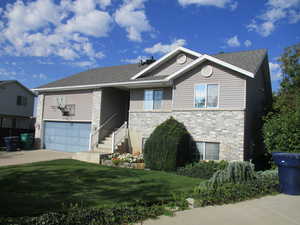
(272, 210)
(22, 157)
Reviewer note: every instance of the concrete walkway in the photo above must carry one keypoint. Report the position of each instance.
(22, 157)
(272, 210)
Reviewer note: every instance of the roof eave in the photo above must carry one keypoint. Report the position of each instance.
(132, 84)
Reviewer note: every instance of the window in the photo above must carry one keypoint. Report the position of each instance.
(207, 151)
(153, 99)
(21, 100)
(206, 95)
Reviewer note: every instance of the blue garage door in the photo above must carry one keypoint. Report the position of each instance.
(67, 136)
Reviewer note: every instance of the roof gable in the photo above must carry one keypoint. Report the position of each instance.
(5, 82)
(204, 58)
(164, 59)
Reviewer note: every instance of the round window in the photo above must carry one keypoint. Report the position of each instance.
(181, 59)
(207, 71)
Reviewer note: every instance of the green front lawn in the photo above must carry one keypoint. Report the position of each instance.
(39, 187)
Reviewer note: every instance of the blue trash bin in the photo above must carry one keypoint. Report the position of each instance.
(288, 171)
(12, 143)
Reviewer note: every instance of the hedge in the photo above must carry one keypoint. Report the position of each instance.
(119, 215)
(265, 183)
(202, 169)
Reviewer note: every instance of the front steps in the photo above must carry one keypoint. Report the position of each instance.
(91, 157)
(105, 146)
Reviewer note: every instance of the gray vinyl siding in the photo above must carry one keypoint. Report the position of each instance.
(83, 101)
(258, 99)
(231, 88)
(137, 99)
(169, 67)
(8, 100)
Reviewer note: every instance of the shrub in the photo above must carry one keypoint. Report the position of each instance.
(168, 147)
(119, 215)
(265, 183)
(235, 172)
(202, 169)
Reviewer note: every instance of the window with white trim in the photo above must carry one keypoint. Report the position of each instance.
(206, 95)
(207, 151)
(153, 99)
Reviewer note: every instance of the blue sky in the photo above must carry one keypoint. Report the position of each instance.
(45, 40)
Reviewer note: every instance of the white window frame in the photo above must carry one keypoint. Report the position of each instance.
(161, 106)
(205, 107)
(204, 147)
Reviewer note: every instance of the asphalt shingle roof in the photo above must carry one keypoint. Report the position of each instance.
(248, 60)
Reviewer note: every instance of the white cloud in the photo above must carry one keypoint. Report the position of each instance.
(132, 17)
(217, 3)
(264, 29)
(6, 74)
(41, 76)
(247, 43)
(104, 3)
(95, 23)
(135, 60)
(165, 48)
(44, 28)
(233, 6)
(85, 64)
(276, 10)
(233, 41)
(294, 16)
(275, 71)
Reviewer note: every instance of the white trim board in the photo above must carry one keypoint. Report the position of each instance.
(212, 59)
(78, 87)
(165, 58)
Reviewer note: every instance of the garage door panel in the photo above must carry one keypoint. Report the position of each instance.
(67, 136)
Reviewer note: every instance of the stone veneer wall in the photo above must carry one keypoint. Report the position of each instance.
(39, 122)
(225, 127)
(96, 117)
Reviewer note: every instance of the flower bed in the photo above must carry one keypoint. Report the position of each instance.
(125, 160)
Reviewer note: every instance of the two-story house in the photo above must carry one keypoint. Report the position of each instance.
(219, 98)
(16, 108)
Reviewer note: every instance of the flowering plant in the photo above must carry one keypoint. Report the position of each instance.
(127, 157)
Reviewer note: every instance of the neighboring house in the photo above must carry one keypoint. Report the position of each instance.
(16, 108)
(219, 98)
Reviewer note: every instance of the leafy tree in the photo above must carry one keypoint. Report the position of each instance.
(281, 129)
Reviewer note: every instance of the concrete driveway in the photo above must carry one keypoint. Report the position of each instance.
(271, 210)
(22, 157)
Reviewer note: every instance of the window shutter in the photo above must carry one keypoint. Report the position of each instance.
(24, 100)
(19, 100)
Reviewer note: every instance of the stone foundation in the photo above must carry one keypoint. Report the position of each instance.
(224, 127)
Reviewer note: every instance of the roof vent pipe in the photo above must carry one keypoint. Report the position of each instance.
(147, 61)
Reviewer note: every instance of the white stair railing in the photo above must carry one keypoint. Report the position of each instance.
(119, 136)
(106, 123)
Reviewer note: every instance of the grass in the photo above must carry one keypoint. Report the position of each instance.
(35, 188)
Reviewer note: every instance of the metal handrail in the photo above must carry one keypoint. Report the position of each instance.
(103, 125)
(114, 134)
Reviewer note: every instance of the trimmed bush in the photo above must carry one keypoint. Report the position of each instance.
(265, 183)
(235, 172)
(202, 169)
(168, 147)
